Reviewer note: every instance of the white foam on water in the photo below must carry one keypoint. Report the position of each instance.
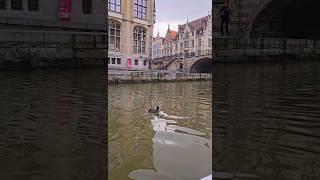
(161, 113)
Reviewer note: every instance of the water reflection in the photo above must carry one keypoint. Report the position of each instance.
(266, 121)
(169, 140)
(53, 124)
(175, 145)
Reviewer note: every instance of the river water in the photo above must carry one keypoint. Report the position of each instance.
(266, 124)
(53, 124)
(266, 121)
(174, 145)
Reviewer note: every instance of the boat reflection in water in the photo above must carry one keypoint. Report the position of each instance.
(168, 143)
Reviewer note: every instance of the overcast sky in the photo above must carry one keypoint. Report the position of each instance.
(176, 12)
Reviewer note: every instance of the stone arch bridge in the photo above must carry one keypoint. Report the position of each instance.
(195, 64)
(202, 64)
(270, 18)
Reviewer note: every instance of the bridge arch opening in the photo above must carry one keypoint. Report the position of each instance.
(288, 19)
(202, 66)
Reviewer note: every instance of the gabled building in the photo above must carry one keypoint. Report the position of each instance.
(168, 42)
(194, 38)
(130, 33)
(157, 46)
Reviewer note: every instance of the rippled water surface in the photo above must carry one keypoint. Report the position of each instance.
(174, 145)
(53, 124)
(267, 121)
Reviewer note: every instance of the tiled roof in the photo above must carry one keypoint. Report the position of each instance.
(172, 34)
(196, 24)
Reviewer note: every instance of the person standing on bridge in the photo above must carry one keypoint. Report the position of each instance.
(181, 66)
(224, 16)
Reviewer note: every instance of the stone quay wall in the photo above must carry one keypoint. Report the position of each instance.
(264, 49)
(43, 48)
(145, 76)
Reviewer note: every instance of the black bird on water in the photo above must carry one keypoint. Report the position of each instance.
(156, 110)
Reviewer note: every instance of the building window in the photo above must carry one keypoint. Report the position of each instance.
(118, 60)
(113, 60)
(176, 45)
(192, 43)
(199, 44)
(181, 45)
(192, 33)
(210, 42)
(108, 60)
(139, 40)
(187, 35)
(16, 4)
(3, 4)
(140, 9)
(136, 62)
(186, 44)
(86, 6)
(33, 5)
(103, 38)
(114, 5)
(144, 62)
(114, 35)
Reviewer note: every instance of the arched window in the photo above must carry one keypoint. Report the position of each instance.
(140, 9)
(114, 35)
(139, 40)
